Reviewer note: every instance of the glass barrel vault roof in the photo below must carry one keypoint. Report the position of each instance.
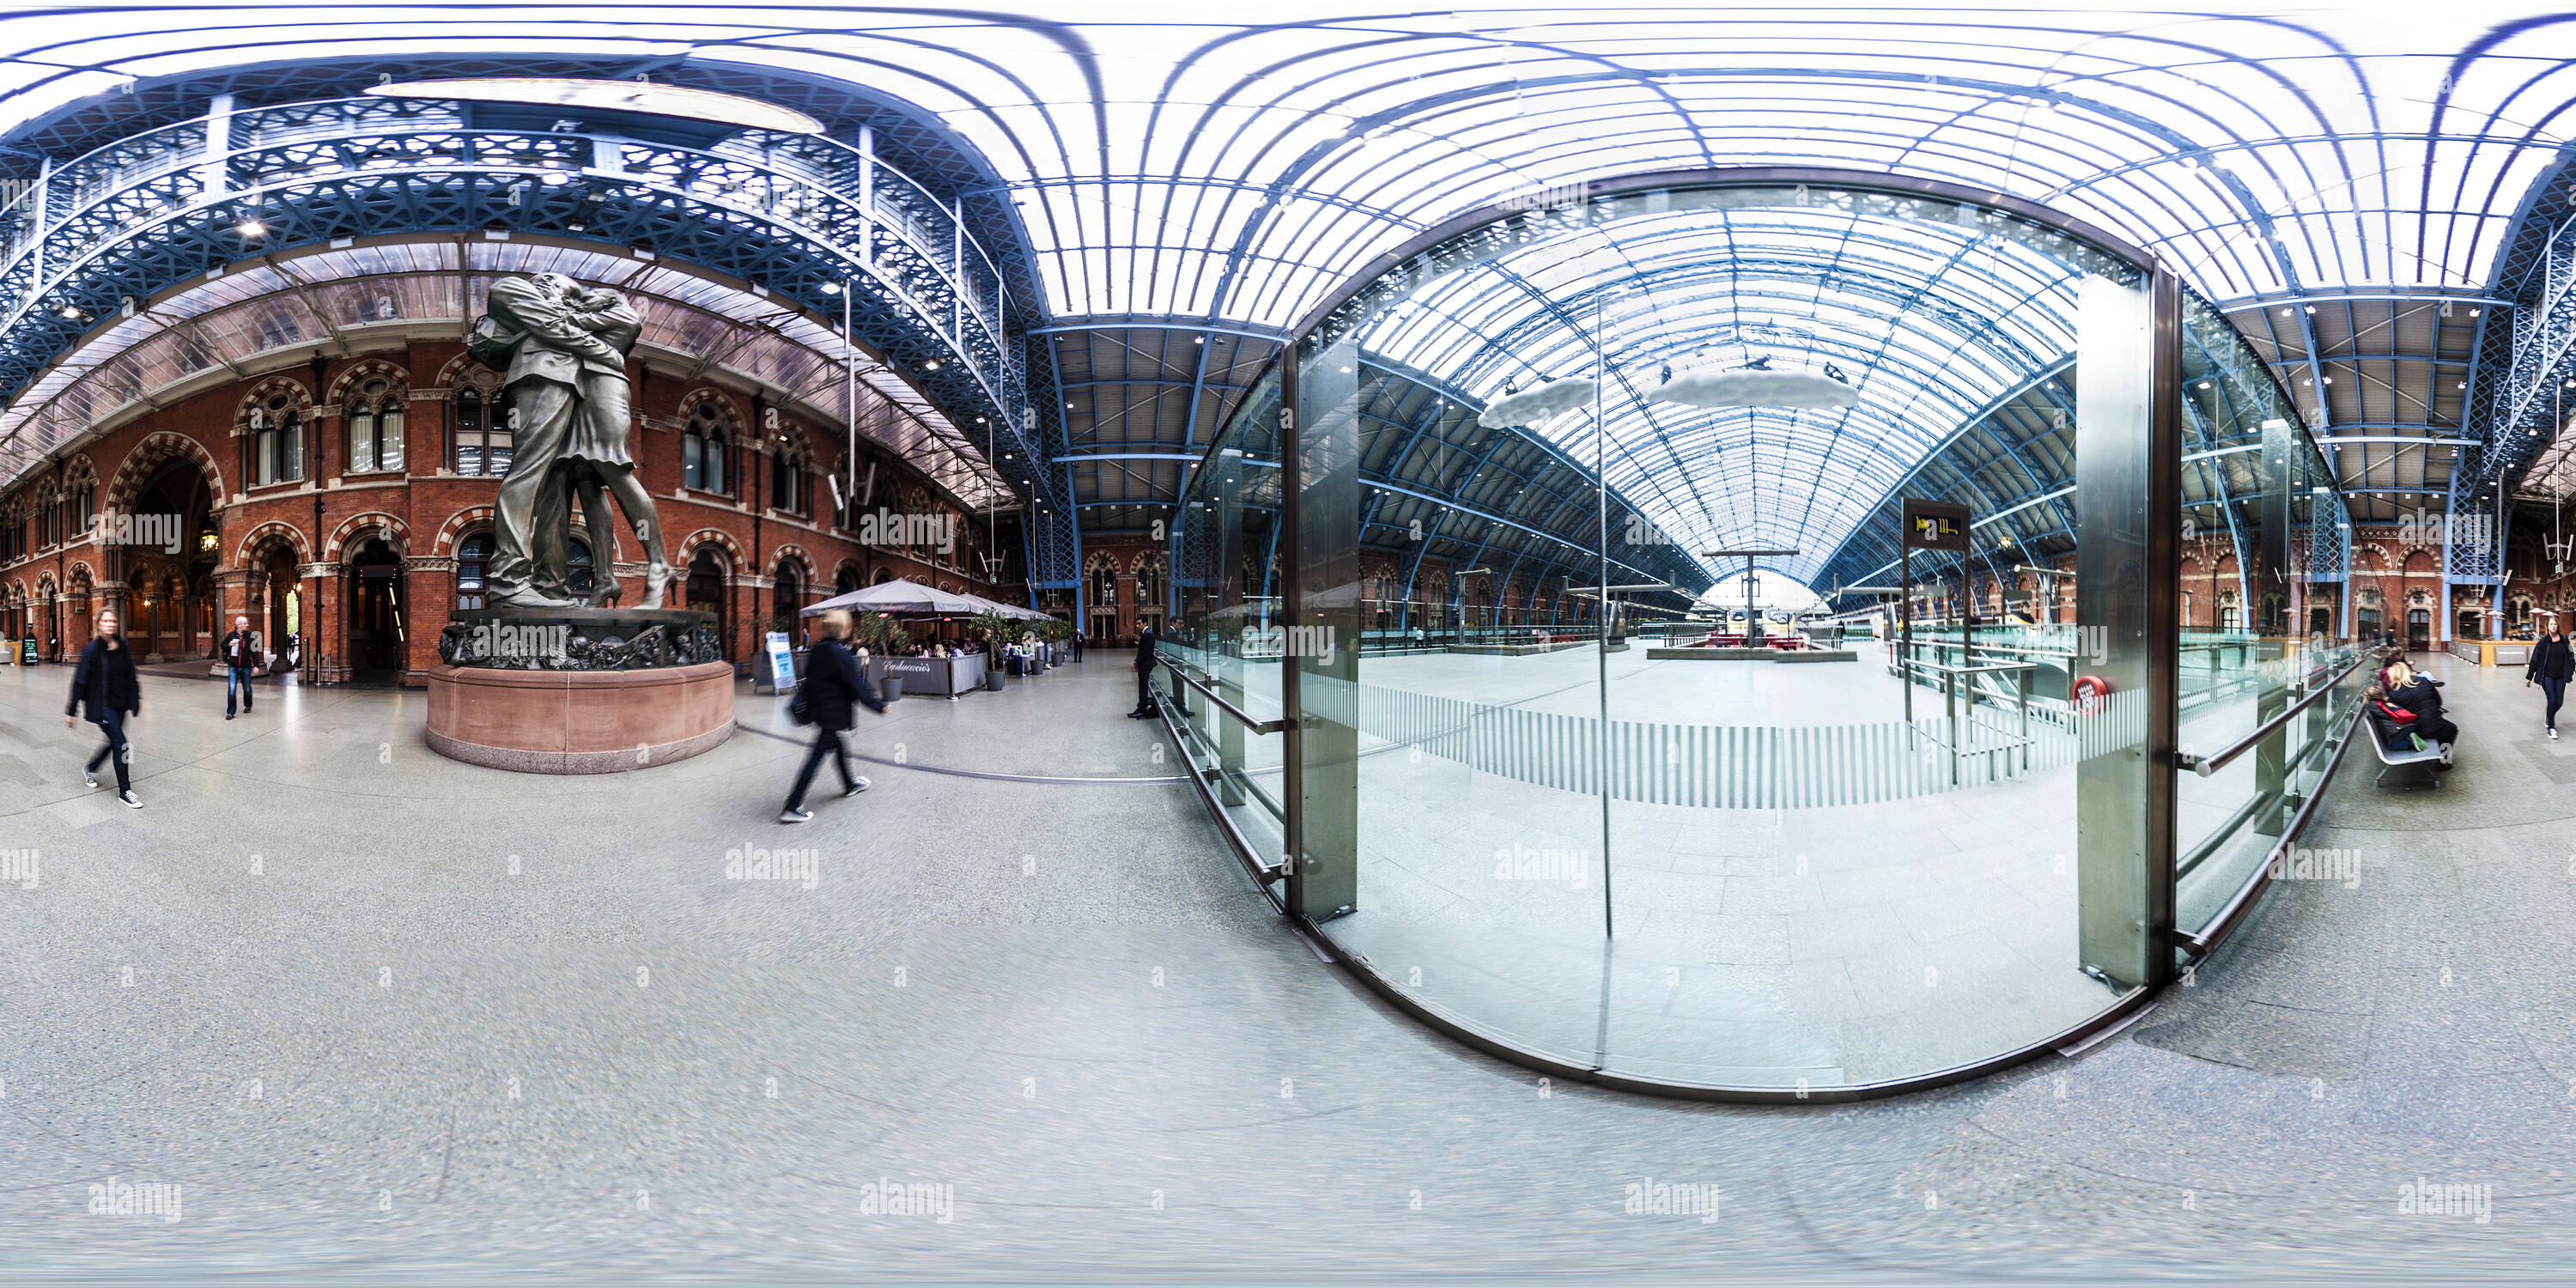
(1169, 165)
(1161, 165)
(1934, 312)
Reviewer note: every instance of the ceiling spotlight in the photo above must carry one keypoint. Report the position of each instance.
(2285, 313)
(2312, 308)
(932, 365)
(831, 288)
(251, 228)
(2204, 384)
(2473, 313)
(73, 312)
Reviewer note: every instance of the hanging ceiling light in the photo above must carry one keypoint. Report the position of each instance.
(1757, 386)
(1540, 405)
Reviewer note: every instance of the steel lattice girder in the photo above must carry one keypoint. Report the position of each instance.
(140, 217)
(2505, 368)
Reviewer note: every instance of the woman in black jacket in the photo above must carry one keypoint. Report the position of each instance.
(833, 683)
(105, 682)
(2553, 664)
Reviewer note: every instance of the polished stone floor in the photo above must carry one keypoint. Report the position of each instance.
(1776, 948)
(379, 1013)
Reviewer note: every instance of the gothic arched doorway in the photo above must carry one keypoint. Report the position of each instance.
(707, 572)
(375, 625)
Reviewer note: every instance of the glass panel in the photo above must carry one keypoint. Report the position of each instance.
(1229, 534)
(362, 441)
(467, 416)
(1701, 658)
(2265, 540)
(389, 439)
(1762, 844)
(1478, 705)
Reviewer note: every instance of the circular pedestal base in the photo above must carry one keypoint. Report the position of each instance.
(579, 722)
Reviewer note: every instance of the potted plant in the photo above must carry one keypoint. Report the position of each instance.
(994, 630)
(883, 637)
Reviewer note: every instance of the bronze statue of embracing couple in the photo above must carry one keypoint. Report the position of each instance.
(564, 347)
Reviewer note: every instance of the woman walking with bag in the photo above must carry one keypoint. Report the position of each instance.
(2553, 664)
(833, 683)
(105, 683)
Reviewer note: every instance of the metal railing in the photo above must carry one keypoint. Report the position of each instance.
(1181, 671)
(2210, 764)
(874, 222)
(1963, 724)
(1187, 738)
(2199, 943)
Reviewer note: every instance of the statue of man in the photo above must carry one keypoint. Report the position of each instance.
(564, 349)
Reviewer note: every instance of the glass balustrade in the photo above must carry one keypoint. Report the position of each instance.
(1938, 807)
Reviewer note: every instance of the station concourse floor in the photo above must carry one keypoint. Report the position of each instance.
(364, 1044)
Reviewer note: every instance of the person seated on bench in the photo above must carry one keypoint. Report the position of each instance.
(2394, 671)
(2418, 693)
(2398, 726)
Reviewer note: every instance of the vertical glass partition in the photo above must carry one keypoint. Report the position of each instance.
(2265, 541)
(1222, 647)
(1900, 802)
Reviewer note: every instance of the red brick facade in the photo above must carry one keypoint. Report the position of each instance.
(370, 559)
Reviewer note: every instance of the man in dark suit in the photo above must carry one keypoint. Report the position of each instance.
(1145, 709)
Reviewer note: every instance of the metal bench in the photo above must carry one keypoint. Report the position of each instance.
(2408, 767)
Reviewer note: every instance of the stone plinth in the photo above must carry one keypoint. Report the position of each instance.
(578, 639)
(579, 722)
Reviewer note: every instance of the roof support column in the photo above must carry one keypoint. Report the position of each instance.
(38, 204)
(212, 174)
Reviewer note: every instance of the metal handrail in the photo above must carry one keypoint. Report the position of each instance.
(1265, 873)
(2198, 945)
(1947, 669)
(1241, 716)
(2207, 765)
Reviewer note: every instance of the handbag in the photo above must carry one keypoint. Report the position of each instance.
(797, 709)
